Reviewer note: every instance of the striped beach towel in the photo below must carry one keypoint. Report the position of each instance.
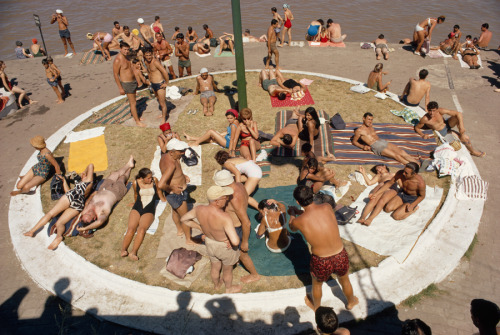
(119, 113)
(90, 57)
(402, 135)
(321, 145)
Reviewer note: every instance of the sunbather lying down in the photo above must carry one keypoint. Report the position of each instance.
(272, 81)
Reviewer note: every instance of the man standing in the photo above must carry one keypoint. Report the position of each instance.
(126, 80)
(62, 21)
(174, 182)
(328, 255)
(221, 238)
(146, 32)
(371, 141)
(182, 51)
(163, 51)
(405, 203)
(334, 32)
(158, 24)
(158, 77)
(485, 37)
(271, 44)
(237, 209)
(415, 90)
(434, 120)
(205, 85)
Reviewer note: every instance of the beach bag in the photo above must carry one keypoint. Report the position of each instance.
(214, 42)
(181, 260)
(336, 122)
(345, 214)
(366, 46)
(56, 188)
(190, 159)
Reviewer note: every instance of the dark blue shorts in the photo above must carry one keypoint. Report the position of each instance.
(175, 200)
(407, 199)
(64, 33)
(239, 231)
(52, 83)
(157, 86)
(405, 101)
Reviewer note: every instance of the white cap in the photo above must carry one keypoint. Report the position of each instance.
(140, 20)
(203, 70)
(175, 144)
(58, 11)
(223, 178)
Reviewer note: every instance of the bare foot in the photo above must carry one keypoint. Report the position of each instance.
(309, 302)
(194, 241)
(362, 221)
(219, 284)
(29, 234)
(55, 243)
(133, 257)
(378, 57)
(386, 56)
(233, 289)
(33, 102)
(250, 278)
(481, 154)
(13, 193)
(350, 305)
(60, 101)
(131, 162)
(189, 138)
(180, 233)
(159, 116)
(368, 222)
(124, 253)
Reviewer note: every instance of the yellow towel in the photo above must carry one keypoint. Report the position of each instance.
(82, 153)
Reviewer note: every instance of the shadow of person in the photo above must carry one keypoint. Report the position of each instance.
(289, 322)
(184, 320)
(9, 309)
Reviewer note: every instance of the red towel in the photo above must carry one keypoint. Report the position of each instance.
(327, 44)
(306, 100)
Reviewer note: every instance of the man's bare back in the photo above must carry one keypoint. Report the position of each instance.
(177, 182)
(418, 89)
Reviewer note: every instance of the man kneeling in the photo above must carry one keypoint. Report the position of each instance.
(221, 238)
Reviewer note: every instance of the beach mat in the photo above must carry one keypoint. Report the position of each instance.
(465, 65)
(119, 113)
(82, 153)
(223, 54)
(402, 135)
(401, 234)
(90, 57)
(327, 44)
(307, 100)
(295, 260)
(324, 140)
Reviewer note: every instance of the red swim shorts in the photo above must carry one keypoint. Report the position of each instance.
(323, 267)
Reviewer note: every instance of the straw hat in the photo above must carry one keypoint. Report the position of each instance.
(38, 142)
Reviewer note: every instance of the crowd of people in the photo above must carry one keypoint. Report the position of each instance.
(144, 58)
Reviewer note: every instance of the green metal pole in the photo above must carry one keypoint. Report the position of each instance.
(240, 59)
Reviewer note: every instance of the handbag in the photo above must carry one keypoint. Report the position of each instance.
(345, 214)
(56, 188)
(191, 159)
(336, 122)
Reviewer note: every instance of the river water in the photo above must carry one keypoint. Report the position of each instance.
(361, 20)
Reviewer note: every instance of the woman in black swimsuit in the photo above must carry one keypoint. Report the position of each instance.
(469, 53)
(308, 125)
(143, 211)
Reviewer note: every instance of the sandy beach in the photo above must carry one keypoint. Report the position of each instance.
(453, 87)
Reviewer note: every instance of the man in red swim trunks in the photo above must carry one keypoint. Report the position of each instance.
(328, 253)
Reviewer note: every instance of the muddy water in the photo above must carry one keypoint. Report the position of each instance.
(361, 20)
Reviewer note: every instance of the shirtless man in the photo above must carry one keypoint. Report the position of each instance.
(272, 82)
(246, 37)
(366, 133)
(100, 203)
(206, 87)
(201, 48)
(271, 44)
(328, 255)
(485, 37)
(182, 51)
(117, 29)
(62, 21)
(134, 42)
(163, 51)
(177, 31)
(277, 17)
(174, 182)
(381, 47)
(221, 238)
(450, 46)
(237, 209)
(146, 32)
(406, 201)
(415, 90)
(334, 32)
(126, 80)
(434, 120)
(158, 77)
(191, 35)
(287, 136)
(208, 31)
(158, 24)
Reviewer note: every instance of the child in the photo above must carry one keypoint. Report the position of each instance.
(52, 80)
(249, 134)
(59, 79)
(137, 69)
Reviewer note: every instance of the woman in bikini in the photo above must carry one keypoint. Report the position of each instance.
(375, 79)
(146, 193)
(273, 225)
(70, 205)
(40, 171)
(244, 170)
(420, 33)
(102, 41)
(7, 86)
(469, 53)
(375, 205)
(212, 136)
(249, 134)
(287, 25)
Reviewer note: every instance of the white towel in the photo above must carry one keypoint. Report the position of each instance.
(380, 95)
(75, 136)
(360, 89)
(388, 237)
(444, 55)
(172, 92)
(204, 55)
(465, 65)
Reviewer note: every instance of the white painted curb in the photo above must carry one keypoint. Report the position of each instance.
(157, 309)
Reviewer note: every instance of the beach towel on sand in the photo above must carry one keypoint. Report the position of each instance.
(321, 144)
(223, 54)
(465, 65)
(82, 153)
(409, 115)
(91, 57)
(401, 135)
(327, 44)
(307, 100)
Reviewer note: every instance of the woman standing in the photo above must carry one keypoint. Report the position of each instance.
(287, 25)
(420, 33)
